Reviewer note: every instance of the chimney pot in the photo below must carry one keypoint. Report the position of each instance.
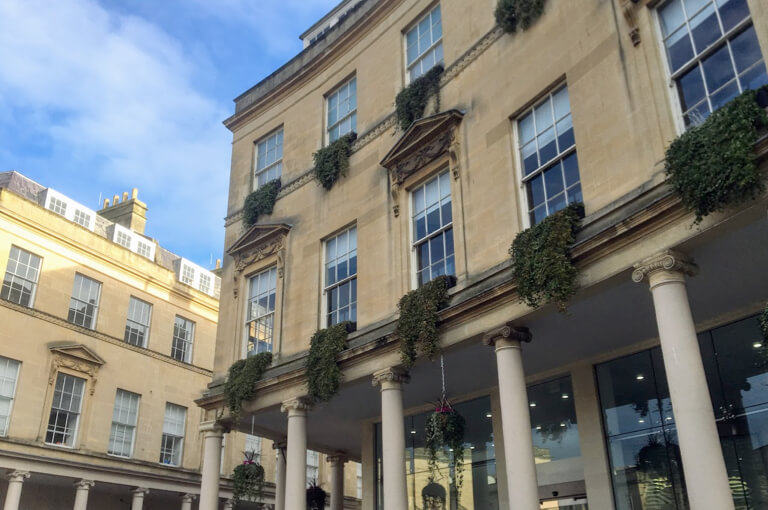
(125, 196)
(135, 193)
(218, 263)
(115, 200)
(106, 203)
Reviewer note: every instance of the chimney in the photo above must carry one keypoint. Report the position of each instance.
(218, 263)
(130, 213)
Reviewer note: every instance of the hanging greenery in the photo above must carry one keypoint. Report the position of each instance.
(417, 326)
(323, 371)
(542, 267)
(513, 13)
(445, 429)
(764, 322)
(243, 376)
(248, 480)
(712, 165)
(411, 102)
(333, 160)
(260, 202)
(316, 496)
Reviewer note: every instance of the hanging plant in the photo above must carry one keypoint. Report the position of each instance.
(333, 160)
(243, 376)
(445, 429)
(260, 202)
(316, 496)
(248, 480)
(712, 165)
(764, 322)
(417, 326)
(510, 14)
(411, 102)
(542, 267)
(323, 371)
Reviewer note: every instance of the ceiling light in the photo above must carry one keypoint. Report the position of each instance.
(532, 404)
(565, 395)
(413, 431)
(538, 427)
(641, 420)
(563, 425)
(488, 414)
(640, 377)
(757, 345)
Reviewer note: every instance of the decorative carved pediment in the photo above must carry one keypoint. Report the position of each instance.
(75, 357)
(423, 142)
(257, 243)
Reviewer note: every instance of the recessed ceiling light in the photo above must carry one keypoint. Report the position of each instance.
(757, 345)
(488, 415)
(538, 427)
(413, 431)
(532, 404)
(640, 377)
(565, 395)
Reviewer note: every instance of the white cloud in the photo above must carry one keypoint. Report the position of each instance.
(118, 90)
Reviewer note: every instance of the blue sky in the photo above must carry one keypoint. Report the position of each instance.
(98, 97)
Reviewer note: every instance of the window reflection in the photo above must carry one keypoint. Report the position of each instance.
(553, 421)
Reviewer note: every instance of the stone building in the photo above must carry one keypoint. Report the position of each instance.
(649, 393)
(106, 340)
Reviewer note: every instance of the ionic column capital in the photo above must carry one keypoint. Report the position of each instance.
(336, 460)
(84, 484)
(296, 406)
(188, 498)
(139, 492)
(509, 332)
(664, 267)
(213, 429)
(392, 377)
(279, 445)
(17, 476)
(229, 504)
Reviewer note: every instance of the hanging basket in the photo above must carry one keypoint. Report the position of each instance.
(445, 429)
(248, 480)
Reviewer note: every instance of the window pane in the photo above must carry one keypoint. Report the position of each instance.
(554, 429)
(732, 12)
(705, 28)
(718, 69)
(672, 16)
(746, 49)
(679, 49)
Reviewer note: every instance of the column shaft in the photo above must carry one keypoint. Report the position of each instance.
(393, 438)
(280, 478)
(337, 483)
(13, 495)
(137, 503)
(705, 474)
(296, 470)
(82, 488)
(209, 483)
(186, 501)
(522, 486)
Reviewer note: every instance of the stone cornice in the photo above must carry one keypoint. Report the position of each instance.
(58, 321)
(508, 331)
(667, 260)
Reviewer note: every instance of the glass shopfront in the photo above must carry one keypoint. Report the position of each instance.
(640, 426)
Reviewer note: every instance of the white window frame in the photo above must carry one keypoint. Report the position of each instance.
(273, 313)
(79, 301)
(518, 155)
(411, 232)
(58, 206)
(349, 278)
(187, 274)
(132, 321)
(253, 444)
(66, 207)
(205, 283)
(68, 412)
(172, 436)
(15, 276)
(277, 133)
(674, 94)
(340, 120)
(188, 341)
(313, 466)
(5, 395)
(118, 421)
(432, 46)
(82, 218)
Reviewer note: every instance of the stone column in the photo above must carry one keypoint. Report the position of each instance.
(337, 481)
(186, 501)
(390, 382)
(13, 496)
(213, 434)
(82, 487)
(522, 486)
(138, 498)
(229, 504)
(280, 475)
(296, 470)
(703, 465)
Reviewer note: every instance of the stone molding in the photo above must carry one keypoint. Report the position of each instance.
(390, 375)
(139, 492)
(296, 404)
(213, 428)
(101, 336)
(77, 358)
(18, 476)
(667, 260)
(508, 332)
(336, 459)
(84, 484)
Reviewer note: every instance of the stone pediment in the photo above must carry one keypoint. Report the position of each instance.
(425, 140)
(79, 352)
(258, 242)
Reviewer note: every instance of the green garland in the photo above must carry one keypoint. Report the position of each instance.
(411, 102)
(511, 13)
(542, 267)
(712, 166)
(261, 201)
(417, 326)
(323, 372)
(243, 376)
(764, 322)
(445, 429)
(248, 480)
(333, 160)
